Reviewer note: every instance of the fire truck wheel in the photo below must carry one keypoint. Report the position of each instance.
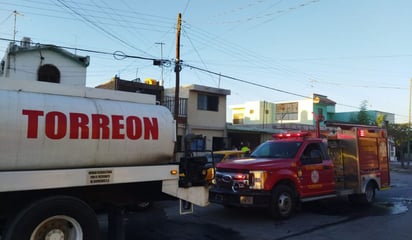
(58, 217)
(282, 203)
(366, 198)
(369, 196)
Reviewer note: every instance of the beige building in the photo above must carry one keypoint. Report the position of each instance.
(202, 111)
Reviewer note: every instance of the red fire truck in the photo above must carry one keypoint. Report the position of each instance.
(348, 160)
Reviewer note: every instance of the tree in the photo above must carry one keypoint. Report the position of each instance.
(380, 119)
(363, 117)
(399, 133)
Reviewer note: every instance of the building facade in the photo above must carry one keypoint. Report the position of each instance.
(202, 111)
(285, 114)
(47, 63)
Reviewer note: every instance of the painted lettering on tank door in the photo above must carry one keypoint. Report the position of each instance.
(58, 125)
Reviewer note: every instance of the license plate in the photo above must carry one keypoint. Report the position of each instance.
(246, 200)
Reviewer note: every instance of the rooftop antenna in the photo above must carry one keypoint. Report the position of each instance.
(137, 79)
(15, 23)
(161, 58)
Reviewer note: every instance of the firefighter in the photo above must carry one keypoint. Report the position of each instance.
(245, 148)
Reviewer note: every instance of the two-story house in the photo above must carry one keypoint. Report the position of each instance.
(202, 111)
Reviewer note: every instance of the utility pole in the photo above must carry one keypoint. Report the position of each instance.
(161, 57)
(177, 70)
(409, 124)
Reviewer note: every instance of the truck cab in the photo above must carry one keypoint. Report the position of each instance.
(276, 174)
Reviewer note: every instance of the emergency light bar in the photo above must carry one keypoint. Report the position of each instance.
(361, 132)
(372, 133)
(290, 135)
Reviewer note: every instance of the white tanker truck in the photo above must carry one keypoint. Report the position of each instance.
(69, 152)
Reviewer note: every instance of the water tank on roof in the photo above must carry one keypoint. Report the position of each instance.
(25, 42)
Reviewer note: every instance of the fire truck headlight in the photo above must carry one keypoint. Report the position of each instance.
(258, 179)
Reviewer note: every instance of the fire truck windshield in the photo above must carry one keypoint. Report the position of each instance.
(275, 149)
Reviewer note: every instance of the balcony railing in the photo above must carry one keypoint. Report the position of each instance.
(169, 102)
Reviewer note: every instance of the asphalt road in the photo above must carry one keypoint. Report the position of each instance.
(388, 218)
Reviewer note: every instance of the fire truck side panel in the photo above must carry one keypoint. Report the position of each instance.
(368, 155)
(360, 155)
(375, 168)
(384, 162)
(350, 164)
(46, 131)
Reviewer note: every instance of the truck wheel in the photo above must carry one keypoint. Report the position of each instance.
(366, 198)
(282, 203)
(369, 196)
(59, 217)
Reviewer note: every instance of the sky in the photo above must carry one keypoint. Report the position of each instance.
(261, 50)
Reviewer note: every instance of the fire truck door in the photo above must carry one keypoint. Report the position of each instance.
(316, 171)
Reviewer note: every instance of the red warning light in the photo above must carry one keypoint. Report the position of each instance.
(290, 135)
(361, 132)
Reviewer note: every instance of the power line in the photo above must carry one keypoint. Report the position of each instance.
(87, 20)
(118, 55)
(244, 81)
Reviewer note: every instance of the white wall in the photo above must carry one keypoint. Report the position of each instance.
(24, 66)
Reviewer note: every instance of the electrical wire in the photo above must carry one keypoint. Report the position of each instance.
(202, 40)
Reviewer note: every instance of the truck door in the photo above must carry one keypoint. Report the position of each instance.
(316, 171)
(383, 162)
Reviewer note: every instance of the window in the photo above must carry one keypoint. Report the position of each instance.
(238, 118)
(312, 154)
(208, 102)
(287, 111)
(48, 73)
(276, 149)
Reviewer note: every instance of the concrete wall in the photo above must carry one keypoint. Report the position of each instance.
(24, 66)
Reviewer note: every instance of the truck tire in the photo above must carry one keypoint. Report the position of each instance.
(282, 203)
(366, 198)
(369, 196)
(58, 217)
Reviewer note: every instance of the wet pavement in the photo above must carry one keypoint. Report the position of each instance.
(397, 167)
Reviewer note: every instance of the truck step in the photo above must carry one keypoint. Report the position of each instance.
(318, 198)
(344, 192)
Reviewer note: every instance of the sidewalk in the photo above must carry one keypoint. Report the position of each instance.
(397, 167)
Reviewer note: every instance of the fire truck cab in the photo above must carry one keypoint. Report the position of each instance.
(299, 167)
